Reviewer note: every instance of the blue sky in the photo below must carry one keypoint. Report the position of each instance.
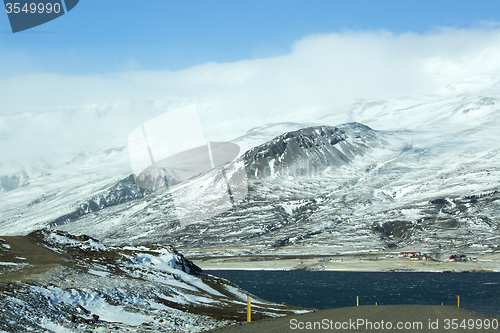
(103, 36)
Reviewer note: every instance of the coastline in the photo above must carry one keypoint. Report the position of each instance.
(245, 259)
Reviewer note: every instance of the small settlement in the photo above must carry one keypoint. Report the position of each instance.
(461, 257)
(415, 256)
(422, 256)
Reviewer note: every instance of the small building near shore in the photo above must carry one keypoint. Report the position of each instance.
(458, 258)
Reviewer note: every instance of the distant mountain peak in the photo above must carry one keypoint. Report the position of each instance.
(309, 150)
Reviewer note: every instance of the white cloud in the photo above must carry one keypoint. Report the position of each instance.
(321, 69)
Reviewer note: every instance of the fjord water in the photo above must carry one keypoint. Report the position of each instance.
(479, 292)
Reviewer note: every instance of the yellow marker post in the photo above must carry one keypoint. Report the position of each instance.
(357, 300)
(458, 301)
(375, 303)
(249, 310)
(441, 304)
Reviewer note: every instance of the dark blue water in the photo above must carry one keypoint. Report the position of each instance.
(479, 292)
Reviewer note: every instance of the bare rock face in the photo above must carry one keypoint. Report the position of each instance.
(309, 150)
(122, 191)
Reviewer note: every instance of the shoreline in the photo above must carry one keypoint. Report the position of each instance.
(350, 271)
(295, 259)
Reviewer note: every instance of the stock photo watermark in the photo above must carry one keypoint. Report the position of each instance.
(27, 14)
(170, 149)
(370, 325)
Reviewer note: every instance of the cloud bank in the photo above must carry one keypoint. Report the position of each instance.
(321, 68)
(88, 111)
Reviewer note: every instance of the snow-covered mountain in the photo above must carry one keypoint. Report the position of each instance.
(313, 149)
(425, 172)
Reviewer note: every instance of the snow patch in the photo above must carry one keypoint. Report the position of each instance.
(186, 299)
(240, 295)
(53, 327)
(168, 263)
(93, 302)
(88, 245)
(98, 273)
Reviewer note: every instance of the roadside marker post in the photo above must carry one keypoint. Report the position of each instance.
(249, 310)
(357, 300)
(458, 302)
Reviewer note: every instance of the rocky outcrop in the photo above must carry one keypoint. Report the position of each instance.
(123, 191)
(310, 150)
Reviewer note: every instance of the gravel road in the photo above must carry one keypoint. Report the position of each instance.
(371, 318)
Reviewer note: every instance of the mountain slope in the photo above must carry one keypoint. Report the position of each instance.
(369, 191)
(157, 211)
(312, 149)
(54, 281)
(351, 199)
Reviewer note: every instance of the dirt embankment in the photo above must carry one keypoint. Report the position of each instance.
(371, 318)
